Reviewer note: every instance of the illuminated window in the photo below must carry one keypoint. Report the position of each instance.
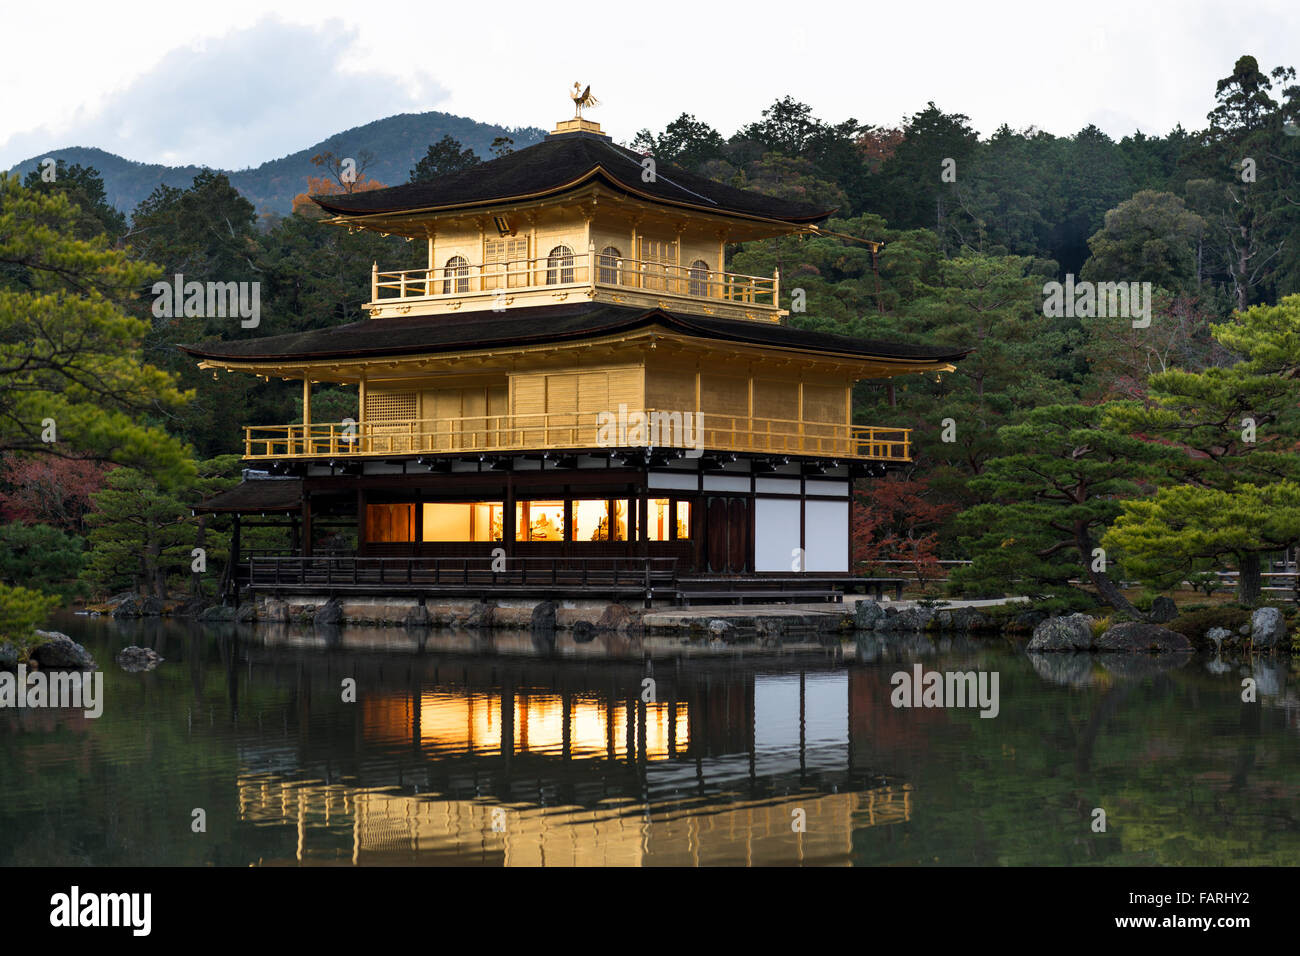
(455, 275)
(390, 522)
(699, 278)
(539, 521)
(683, 520)
(559, 265)
(591, 520)
(467, 521)
(609, 262)
(659, 519)
(620, 521)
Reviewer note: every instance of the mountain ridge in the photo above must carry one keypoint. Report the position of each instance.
(397, 143)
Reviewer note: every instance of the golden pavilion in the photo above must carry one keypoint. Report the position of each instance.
(573, 378)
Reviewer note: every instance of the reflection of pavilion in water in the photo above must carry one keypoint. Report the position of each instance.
(524, 763)
(341, 824)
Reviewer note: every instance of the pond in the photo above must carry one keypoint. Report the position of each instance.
(254, 746)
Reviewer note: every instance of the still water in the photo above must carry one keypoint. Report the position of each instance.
(502, 750)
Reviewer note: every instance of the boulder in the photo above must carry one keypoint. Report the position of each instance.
(272, 610)
(247, 613)
(1163, 610)
(961, 619)
(718, 627)
(1028, 620)
(1267, 627)
(8, 656)
(191, 607)
(217, 611)
(1072, 633)
(908, 619)
(1142, 637)
(584, 632)
(60, 652)
(328, 614)
(867, 614)
(480, 616)
(543, 618)
(1217, 636)
(128, 607)
(135, 659)
(417, 617)
(151, 607)
(617, 617)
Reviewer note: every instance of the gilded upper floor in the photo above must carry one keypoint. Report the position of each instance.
(573, 218)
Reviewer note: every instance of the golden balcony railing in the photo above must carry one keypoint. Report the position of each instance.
(517, 433)
(591, 269)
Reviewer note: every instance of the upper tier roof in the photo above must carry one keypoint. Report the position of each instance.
(543, 324)
(558, 164)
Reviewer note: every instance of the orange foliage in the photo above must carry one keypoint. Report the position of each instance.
(328, 186)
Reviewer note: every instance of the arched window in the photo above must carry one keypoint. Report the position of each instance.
(607, 270)
(559, 265)
(699, 278)
(455, 275)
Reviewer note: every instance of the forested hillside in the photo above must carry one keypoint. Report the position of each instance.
(395, 143)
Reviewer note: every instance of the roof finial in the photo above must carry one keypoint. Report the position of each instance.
(582, 98)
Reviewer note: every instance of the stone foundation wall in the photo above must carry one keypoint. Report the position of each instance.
(523, 614)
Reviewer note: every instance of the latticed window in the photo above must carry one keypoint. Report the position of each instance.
(455, 275)
(505, 257)
(559, 265)
(607, 272)
(658, 257)
(390, 406)
(699, 278)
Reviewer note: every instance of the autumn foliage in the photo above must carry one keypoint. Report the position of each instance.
(49, 490)
(896, 519)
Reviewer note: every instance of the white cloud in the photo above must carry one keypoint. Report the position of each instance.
(220, 86)
(237, 99)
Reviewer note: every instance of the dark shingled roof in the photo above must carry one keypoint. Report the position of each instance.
(558, 163)
(539, 325)
(255, 495)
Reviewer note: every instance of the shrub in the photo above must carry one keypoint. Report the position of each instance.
(1193, 624)
(21, 610)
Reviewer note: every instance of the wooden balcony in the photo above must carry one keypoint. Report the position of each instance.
(545, 280)
(519, 433)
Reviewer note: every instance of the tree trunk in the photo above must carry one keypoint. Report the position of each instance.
(1248, 579)
(1108, 589)
(200, 541)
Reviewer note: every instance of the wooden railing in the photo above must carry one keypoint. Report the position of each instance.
(569, 430)
(424, 574)
(580, 269)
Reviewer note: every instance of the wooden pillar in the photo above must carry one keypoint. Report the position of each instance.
(508, 518)
(306, 416)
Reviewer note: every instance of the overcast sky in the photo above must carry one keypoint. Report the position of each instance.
(230, 85)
